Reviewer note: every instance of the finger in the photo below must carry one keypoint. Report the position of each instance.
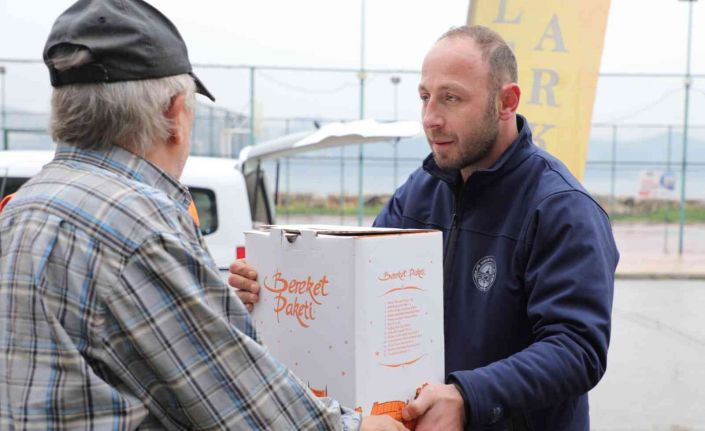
(249, 307)
(235, 266)
(241, 267)
(417, 407)
(242, 283)
(398, 426)
(393, 424)
(238, 282)
(247, 298)
(381, 423)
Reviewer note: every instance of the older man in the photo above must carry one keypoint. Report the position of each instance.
(113, 314)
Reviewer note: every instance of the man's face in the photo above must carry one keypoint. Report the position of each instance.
(459, 114)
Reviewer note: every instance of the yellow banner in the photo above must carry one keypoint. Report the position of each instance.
(558, 45)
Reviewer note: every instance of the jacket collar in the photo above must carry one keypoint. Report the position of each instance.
(122, 162)
(521, 148)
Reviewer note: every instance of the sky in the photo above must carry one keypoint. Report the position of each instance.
(643, 36)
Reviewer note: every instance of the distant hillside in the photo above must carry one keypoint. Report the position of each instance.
(320, 172)
(651, 149)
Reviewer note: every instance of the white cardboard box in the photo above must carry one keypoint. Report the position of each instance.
(356, 313)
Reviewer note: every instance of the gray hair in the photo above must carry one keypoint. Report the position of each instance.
(495, 51)
(128, 113)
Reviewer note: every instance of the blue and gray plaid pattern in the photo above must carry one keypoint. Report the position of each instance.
(113, 314)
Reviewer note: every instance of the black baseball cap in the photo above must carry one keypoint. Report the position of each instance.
(128, 40)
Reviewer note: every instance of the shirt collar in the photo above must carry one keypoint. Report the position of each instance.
(122, 162)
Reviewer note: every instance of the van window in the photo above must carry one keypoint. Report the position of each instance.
(260, 205)
(204, 199)
(9, 185)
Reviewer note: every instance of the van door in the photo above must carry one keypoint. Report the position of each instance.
(261, 205)
(10, 185)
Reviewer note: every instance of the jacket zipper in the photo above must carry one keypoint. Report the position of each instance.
(450, 251)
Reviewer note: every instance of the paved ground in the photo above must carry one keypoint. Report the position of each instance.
(655, 376)
(651, 251)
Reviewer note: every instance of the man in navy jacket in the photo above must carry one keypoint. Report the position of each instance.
(529, 255)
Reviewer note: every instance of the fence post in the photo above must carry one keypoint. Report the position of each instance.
(361, 156)
(342, 186)
(685, 131)
(287, 162)
(667, 210)
(5, 143)
(210, 131)
(395, 80)
(614, 169)
(252, 105)
(362, 75)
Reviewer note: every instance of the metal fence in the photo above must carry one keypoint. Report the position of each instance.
(628, 149)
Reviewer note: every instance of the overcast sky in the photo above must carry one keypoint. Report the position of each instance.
(642, 36)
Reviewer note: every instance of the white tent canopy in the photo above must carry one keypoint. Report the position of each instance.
(329, 136)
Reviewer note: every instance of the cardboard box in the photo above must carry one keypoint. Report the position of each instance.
(356, 313)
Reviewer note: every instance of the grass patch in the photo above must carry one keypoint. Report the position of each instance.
(348, 210)
(659, 215)
(664, 215)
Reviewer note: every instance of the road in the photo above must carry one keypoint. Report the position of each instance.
(655, 376)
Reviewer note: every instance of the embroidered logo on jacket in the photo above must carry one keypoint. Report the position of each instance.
(485, 273)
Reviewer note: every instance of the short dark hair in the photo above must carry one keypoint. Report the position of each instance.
(495, 51)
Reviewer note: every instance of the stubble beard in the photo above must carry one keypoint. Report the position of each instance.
(475, 147)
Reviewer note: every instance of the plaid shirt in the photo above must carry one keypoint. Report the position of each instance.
(113, 314)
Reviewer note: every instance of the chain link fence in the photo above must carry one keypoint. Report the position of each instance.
(635, 168)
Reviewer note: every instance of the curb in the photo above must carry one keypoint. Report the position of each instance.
(659, 276)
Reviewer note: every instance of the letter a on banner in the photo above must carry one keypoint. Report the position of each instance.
(558, 45)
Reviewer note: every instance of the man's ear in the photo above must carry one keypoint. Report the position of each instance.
(509, 96)
(175, 114)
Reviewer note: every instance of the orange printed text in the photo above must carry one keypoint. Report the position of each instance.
(297, 297)
(402, 275)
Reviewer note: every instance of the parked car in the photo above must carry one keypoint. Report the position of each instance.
(231, 196)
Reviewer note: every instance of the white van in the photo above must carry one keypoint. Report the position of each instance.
(231, 196)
